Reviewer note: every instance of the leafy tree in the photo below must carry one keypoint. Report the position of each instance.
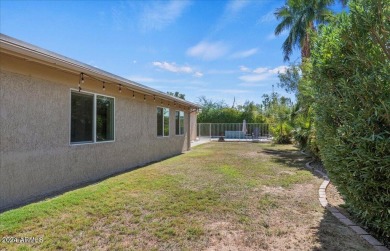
(220, 112)
(289, 80)
(277, 112)
(212, 111)
(297, 80)
(177, 94)
(300, 17)
(251, 112)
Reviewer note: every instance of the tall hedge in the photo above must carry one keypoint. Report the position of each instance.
(351, 78)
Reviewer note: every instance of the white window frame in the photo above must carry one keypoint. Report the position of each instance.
(163, 123)
(184, 114)
(93, 117)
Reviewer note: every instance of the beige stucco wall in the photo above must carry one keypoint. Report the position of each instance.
(36, 157)
(193, 126)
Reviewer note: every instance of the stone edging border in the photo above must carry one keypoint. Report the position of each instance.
(353, 226)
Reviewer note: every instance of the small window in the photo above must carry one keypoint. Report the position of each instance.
(179, 122)
(104, 118)
(81, 117)
(162, 122)
(92, 118)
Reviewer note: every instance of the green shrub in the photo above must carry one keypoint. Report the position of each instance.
(301, 137)
(281, 133)
(305, 139)
(351, 78)
(282, 139)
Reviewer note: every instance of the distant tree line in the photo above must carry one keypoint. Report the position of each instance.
(273, 109)
(177, 94)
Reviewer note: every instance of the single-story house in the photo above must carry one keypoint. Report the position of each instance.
(64, 123)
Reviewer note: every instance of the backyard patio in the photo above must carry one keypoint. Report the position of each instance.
(219, 196)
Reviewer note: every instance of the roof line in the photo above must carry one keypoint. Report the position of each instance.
(32, 51)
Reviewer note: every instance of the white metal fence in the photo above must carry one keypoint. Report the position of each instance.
(234, 131)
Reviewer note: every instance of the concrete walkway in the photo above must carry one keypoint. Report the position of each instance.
(200, 141)
(206, 140)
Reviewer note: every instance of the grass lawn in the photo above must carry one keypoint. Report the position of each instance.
(219, 196)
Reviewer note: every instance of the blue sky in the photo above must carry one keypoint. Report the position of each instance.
(218, 49)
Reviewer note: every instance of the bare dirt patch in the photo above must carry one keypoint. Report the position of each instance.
(333, 196)
(273, 190)
(223, 236)
(257, 154)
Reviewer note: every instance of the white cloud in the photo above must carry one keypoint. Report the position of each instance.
(245, 54)
(172, 67)
(231, 12)
(272, 36)
(236, 6)
(254, 84)
(279, 69)
(267, 18)
(244, 69)
(161, 14)
(214, 71)
(255, 77)
(263, 74)
(260, 70)
(205, 88)
(117, 18)
(150, 80)
(198, 74)
(234, 91)
(208, 50)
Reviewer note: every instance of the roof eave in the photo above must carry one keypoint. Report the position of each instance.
(13, 46)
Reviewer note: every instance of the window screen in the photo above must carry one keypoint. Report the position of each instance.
(81, 117)
(179, 122)
(162, 121)
(104, 118)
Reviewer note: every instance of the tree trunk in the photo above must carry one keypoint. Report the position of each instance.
(305, 51)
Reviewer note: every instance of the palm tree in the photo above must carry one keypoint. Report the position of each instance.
(300, 18)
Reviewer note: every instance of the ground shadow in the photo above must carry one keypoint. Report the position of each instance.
(291, 158)
(329, 228)
(63, 190)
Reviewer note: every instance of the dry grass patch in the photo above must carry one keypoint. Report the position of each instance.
(220, 196)
(336, 200)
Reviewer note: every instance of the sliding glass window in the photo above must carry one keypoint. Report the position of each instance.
(92, 118)
(166, 121)
(179, 122)
(81, 117)
(104, 118)
(162, 122)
